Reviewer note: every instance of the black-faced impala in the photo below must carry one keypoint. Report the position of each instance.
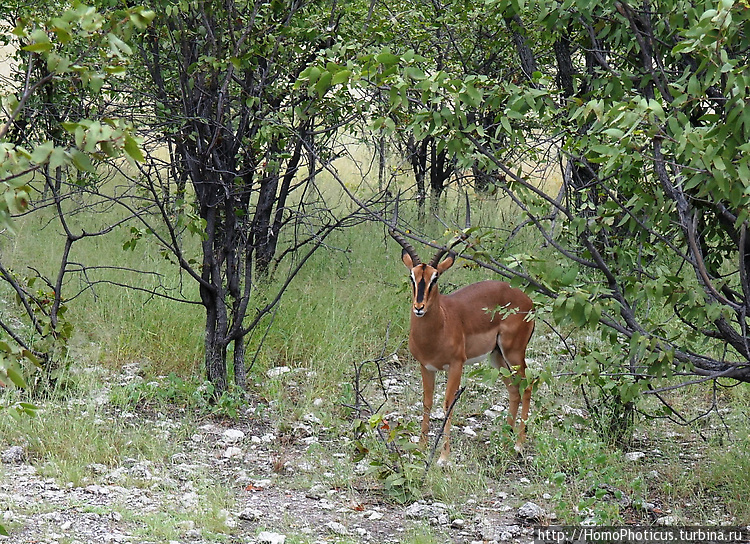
(447, 331)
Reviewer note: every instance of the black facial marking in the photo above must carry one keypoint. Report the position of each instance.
(420, 286)
(420, 290)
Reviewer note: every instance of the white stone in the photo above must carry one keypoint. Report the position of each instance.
(531, 511)
(232, 452)
(312, 418)
(267, 537)
(232, 435)
(634, 455)
(336, 528)
(277, 371)
(250, 514)
(14, 455)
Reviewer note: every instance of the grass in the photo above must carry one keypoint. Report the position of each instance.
(343, 309)
(66, 439)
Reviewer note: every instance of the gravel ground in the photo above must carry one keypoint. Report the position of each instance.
(238, 482)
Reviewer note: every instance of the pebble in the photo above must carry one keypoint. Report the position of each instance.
(232, 435)
(277, 371)
(337, 528)
(634, 455)
(532, 512)
(268, 537)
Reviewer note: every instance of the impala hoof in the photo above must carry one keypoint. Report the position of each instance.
(443, 461)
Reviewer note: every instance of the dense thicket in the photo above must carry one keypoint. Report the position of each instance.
(640, 107)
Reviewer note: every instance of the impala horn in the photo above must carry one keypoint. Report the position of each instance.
(400, 239)
(464, 235)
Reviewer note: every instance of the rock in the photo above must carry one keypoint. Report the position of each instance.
(669, 521)
(336, 528)
(421, 510)
(141, 471)
(250, 514)
(231, 436)
(277, 371)
(468, 431)
(502, 533)
(186, 525)
(531, 512)
(96, 489)
(635, 456)
(317, 491)
(15, 455)
(232, 452)
(494, 412)
(312, 418)
(267, 537)
(458, 523)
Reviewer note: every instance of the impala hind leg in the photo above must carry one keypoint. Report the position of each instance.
(515, 397)
(428, 395)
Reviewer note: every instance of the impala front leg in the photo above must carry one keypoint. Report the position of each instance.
(451, 388)
(428, 394)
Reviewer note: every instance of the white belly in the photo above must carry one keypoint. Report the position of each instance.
(477, 359)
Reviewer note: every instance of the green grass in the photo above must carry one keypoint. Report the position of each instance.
(63, 441)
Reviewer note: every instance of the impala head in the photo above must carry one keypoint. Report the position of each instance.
(424, 279)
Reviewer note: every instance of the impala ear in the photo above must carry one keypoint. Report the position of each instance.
(446, 263)
(406, 257)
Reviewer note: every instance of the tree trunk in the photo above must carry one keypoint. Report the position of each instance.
(240, 372)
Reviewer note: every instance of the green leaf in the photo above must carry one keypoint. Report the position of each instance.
(569, 277)
(118, 47)
(133, 149)
(16, 377)
(415, 73)
(324, 83)
(386, 58)
(40, 42)
(342, 76)
(82, 161)
(615, 133)
(41, 153)
(58, 158)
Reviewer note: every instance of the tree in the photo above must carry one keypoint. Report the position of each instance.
(245, 145)
(49, 53)
(647, 239)
(61, 59)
